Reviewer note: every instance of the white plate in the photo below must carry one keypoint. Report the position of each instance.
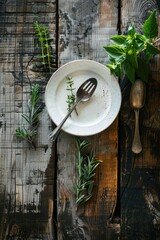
(94, 115)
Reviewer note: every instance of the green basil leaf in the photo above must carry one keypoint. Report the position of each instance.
(121, 59)
(112, 60)
(111, 66)
(115, 51)
(140, 38)
(151, 49)
(129, 71)
(150, 26)
(131, 30)
(118, 71)
(143, 69)
(119, 39)
(115, 69)
(132, 58)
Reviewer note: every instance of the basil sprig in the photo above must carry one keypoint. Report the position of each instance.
(131, 53)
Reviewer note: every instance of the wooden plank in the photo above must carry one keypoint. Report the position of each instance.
(140, 173)
(85, 27)
(26, 174)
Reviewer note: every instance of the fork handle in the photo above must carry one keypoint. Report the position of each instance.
(136, 145)
(54, 134)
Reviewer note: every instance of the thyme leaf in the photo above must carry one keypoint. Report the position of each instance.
(44, 43)
(70, 96)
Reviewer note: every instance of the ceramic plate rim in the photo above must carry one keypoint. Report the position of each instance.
(88, 129)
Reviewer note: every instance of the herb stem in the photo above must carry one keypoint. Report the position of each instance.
(71, 96)
(34, 108)
(45, 44)
(86, 165)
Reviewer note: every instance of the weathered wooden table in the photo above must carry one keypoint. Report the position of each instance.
(36, 185)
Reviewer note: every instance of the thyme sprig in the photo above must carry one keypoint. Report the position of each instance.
(86, 165)
(44, 43)
(32, 118)
(70, 96)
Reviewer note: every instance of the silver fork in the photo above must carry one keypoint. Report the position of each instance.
(84, 92)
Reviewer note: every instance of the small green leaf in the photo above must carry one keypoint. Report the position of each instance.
(86, 164)
(115, 51)
(143, 69)
(132, 58)
(118, 70)
(152, 50)
(140, 38)
(111, 66)
(131, 30)
(141, 41)
(42, 39)
(112, 60)
(46, 45)
(21, 132)
(115, 69)
(121, 59)
(26, 118)
(119, 39)
(34, 108)
(130, 71)
(49, 39)
(150, 26)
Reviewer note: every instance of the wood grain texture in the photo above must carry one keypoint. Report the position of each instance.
(140, 195)
(26, 175)
(85, 27)
(32, 181)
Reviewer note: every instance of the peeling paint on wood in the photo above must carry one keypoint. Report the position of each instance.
(84, 30)
(140, 173)
(31, 205)
(26, 175)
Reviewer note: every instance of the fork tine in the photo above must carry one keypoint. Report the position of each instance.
(92, 82)
(86, 87)
(91, 88)
(87, 84)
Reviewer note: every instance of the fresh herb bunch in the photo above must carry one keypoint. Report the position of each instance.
(44, 43)
(86, 165)
(132, 53)
(71, 96)
(32, 119)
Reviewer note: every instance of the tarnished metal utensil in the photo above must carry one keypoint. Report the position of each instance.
(137, 100)
(83, 94)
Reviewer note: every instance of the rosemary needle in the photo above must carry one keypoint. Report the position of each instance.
(32, 118)
(86, 165)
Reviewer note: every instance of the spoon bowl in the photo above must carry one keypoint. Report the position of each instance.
(137, 101)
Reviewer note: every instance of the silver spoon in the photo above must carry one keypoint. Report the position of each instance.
(137, 100)
(83, 94)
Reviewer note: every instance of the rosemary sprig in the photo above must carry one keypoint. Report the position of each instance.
(86, 165)
(44, 43)
(32, 119)
(26, 134)
(71, 96)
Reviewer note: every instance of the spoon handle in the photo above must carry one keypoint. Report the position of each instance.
(54, 134)
(136, 145)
